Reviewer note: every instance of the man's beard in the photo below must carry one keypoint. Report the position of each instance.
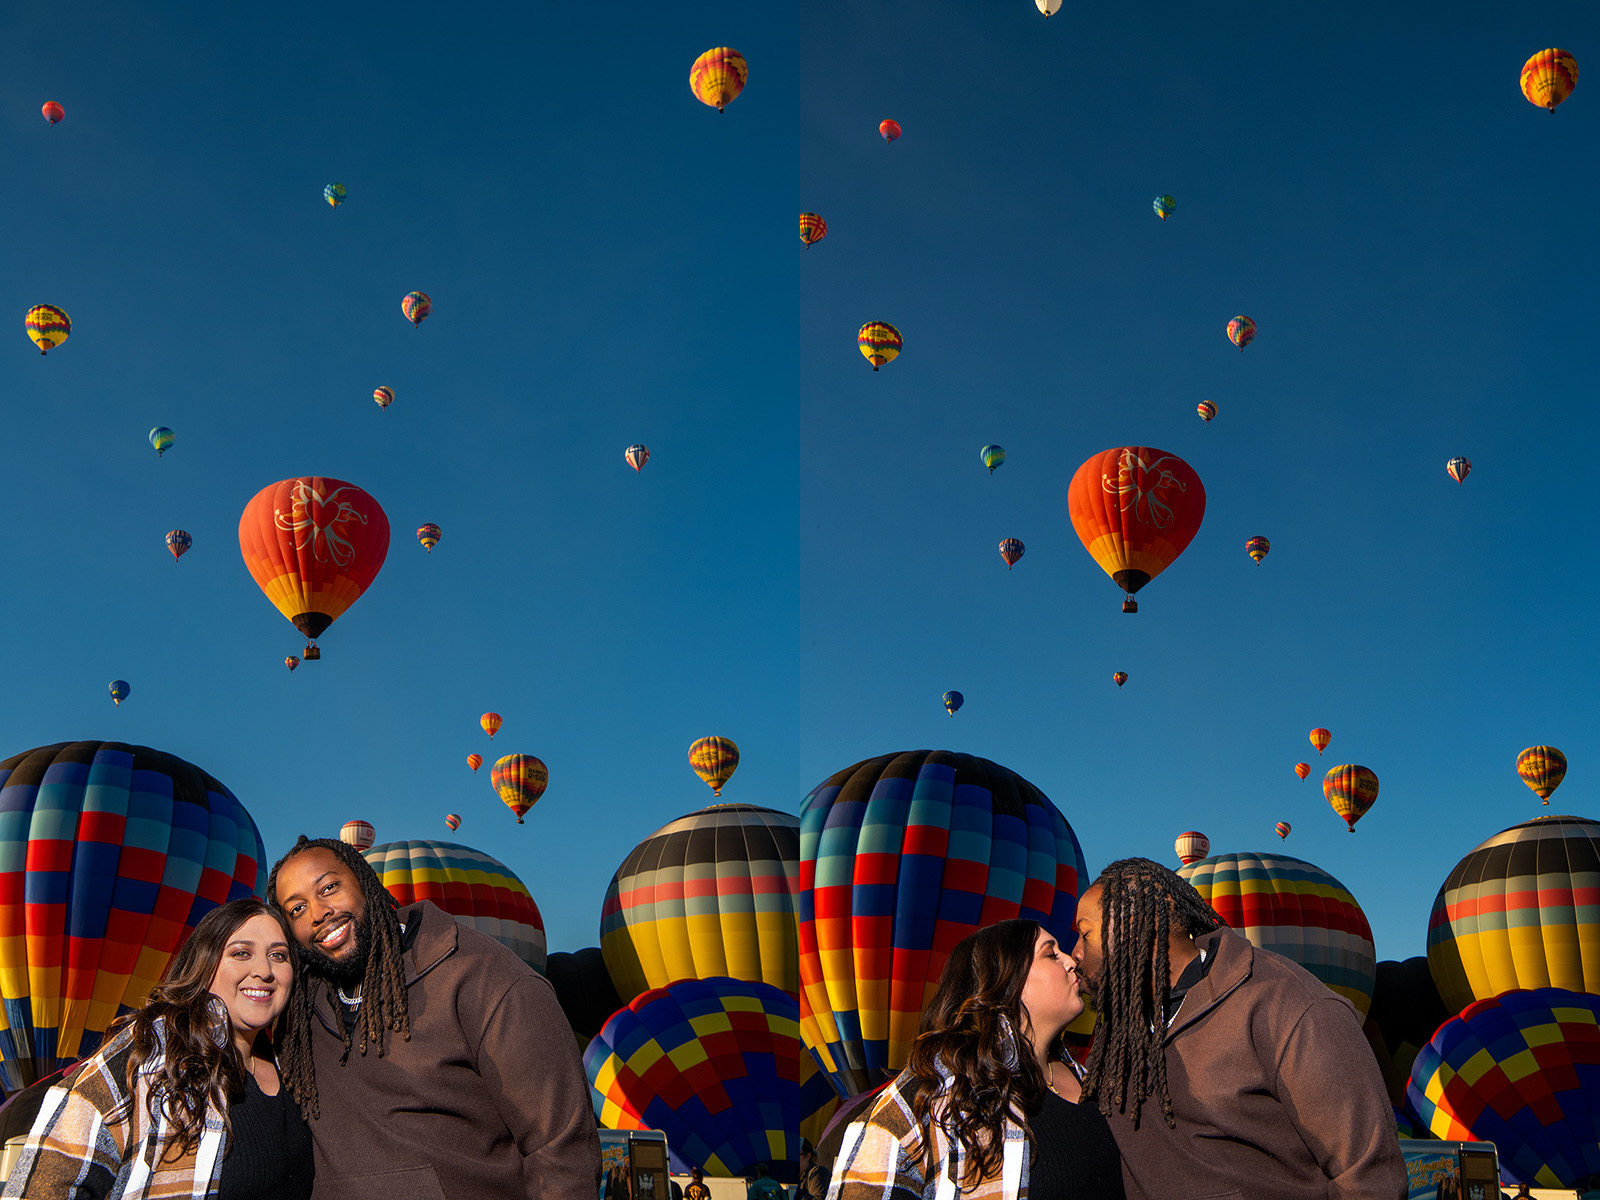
(350, 971)
(1086, 985)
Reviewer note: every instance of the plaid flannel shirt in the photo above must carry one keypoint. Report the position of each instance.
(93, 1139)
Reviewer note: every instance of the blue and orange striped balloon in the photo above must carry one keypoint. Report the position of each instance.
(480, 892)
(712, 1063)
(901, 857)
(1296, 910)
(109, 856)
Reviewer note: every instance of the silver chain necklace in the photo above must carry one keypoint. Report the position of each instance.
(356, 1003)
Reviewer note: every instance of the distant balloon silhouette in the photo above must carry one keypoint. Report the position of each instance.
(1119, 677)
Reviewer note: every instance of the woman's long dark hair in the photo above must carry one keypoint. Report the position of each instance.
(978, 1029)
(199, 1062)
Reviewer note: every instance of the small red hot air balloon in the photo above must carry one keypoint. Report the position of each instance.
(474, 761)
(1320, 739)
(53, 112)
(889, 129)
(1302, 769)
(1192, 846)
(1011, 550)
(1120, 678)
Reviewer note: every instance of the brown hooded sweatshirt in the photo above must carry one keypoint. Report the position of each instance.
(486, 1101)
(1276, 1093)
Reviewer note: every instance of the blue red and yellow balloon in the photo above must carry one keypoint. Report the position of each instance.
(53, 112)
(1135, 510)
(812, 228)
(474, 761)
(519, 780)
(1521, 910)
(359, 834)
(178, 542)
(1458, 468)
(1521, 1070)
(714, 759)
(1548, 78)
(119, 690)
(1191, 846)
(636, 456)
(1297, 910)
(992, 457)
(718, 76)
(452, 821)
(1011, 550)
(480, 892)
(1542, 768)
(383, 396)
(1320, 739)
(490, 723)
(1283, 829)
(712, 1063)
(1241, 332)
(707, 895)
(889, 130)
(416, 306)
(162, 438)
(109, 855)
(1351, 790)
(953, 700)
(334, 194)
(1257, 548)
(429, 536)
(901, 856)
(1207, 410)
(880, 343)
(48, 326)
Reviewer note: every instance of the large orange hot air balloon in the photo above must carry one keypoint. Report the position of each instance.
(313, 545)
(1135, 510)
(1351, 790)
(1320, 739)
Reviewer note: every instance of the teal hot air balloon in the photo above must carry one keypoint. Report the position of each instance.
(119, 691)
(953, 701)
(1165, 206)
(993, 456)
(334, 194)
(162, 438)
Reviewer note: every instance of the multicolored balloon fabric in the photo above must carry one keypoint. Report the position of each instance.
(1519, 911)
(714, 759)
(812, 228)
(1164, 206)
(383, 396)
(1207, 410)
(291, 661)
(162, 438)
(707, 895)
(880, 343)
(429, 536)
(1320, 739)
(1459, 468)
(1521, 1070)
(1257, 548)
(901, 856)
(490, 723)
(1135, 510)
(712, 1063)
(358, 834)
(953, 701)
(889, 130)
(1011, 550)
(53, 112)
(48, 326)
(1548, 78)
(480, 892)
(178, 542)
(334, 194)
(109, 855)
(1351, 789)
(718, 76)
(1241, 332)
(1283, 829)
(1191, 846)
(474, 761)
(1297, 910)
(519, 780)
(992, 457)
(1542, 768)
(119, 691)
(313, 545)
(636, 456)
(1302, 769)
(452, 821)
(416, 306)
(1120, 678)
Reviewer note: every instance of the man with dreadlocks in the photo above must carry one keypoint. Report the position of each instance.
(1235, 1072)
(429, 1059)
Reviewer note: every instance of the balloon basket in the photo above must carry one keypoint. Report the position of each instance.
(1130, 605)
(313, 652)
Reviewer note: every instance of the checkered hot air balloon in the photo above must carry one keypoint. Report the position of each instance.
(879, 342)
(812, 228)
(109, 856)
(712, 1063)
(902, 856)
(429, 535)
(1257, 548)
(48, 326)
(707, 895)
(1542, 768)
(480, 892)
(1297, 910)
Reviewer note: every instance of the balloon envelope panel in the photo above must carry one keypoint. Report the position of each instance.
(710, 894)
(901, 857)
(1522, 910)
(1294, 909)
(476, 890)
(109, 856)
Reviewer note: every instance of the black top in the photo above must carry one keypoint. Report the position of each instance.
(1077, 1157)
(1192, 974)
(269, 1151)
(408, 936)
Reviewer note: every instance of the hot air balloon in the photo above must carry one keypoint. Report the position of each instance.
(53, 112)
(1120, 678)
(1521, 1070)
(718, 76)
(1241, 332)
(520, 779)
(490, 722)
(1048, 7)
(383, 396)
(313, 545)
(1011, 550)
(953, 701)
(1549, 77)
(901, 856)
(334, 194)
(358, 834)
(429, 536)
(812, 228)
(636, 456)
(1164, 206)
(889, 129)
(109, 856)
(1302, 769)
(1207, 410)
(1135, 510)
(706, 895)
(178, 542)
(1542, 768)
(1406, 1010)
(1283, 828)
(1519, 912)
(1296, 909)
(1351, 790)
(474, 761)
(292, 661)
(1320, 739)
(880, 343)
(48, 326)
(1459, 468)
(478, 891)
(1192, 846)
(452, 821)
(712, 1063)
(416, 306)
(584, 988)
(1257, 547)
(162, 438)
(119, 691)
(714, 759)
(993, 456)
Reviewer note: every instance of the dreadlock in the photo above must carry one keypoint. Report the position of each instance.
(383, 985)
(1139, 902)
